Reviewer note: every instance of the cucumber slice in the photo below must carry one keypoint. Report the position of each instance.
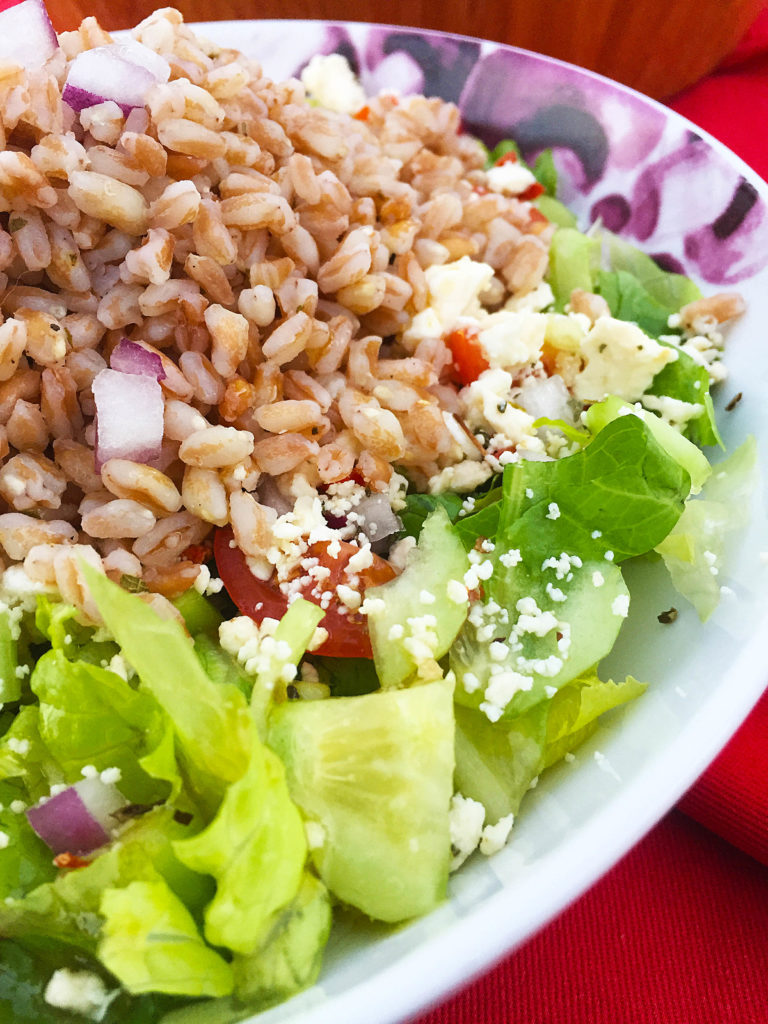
(415, 618)
(375, 773)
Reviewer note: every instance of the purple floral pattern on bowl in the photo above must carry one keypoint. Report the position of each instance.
(620, 156)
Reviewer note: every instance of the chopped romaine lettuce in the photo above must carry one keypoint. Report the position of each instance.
(91, 716)
(212, 723)
(255, 849)
(291, 960)
(693, 550)
(496, 763)
(150, 942)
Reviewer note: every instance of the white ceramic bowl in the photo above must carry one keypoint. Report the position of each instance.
(673, 190)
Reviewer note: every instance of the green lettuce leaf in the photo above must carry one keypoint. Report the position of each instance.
(497, 762)
(25, 758)
(214, 730)
(25, 860)
(10, 681)
(24, 975)
(629, 300)
(574, 260)
(695, 548)
(688, 381)
(622, 484)
(91, 716)
(292, 958)
(670, 290)
(150, 942)
(255, 849)
(683, 451)
(419, 506)
(66, 909)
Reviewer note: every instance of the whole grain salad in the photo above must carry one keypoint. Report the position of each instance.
(324, 434)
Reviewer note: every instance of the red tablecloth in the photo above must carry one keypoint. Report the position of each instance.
(677, 932)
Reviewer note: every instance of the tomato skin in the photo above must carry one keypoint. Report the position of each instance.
(532, 192)
(469, 360)
(261, 599)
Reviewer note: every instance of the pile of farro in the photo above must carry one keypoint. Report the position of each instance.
(272, 254)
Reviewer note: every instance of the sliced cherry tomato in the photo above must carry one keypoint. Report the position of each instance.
(347, 632)
(69, 861)
(468, 357)
(532, 192)
(510, 157)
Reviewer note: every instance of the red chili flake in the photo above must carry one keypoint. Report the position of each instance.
(509, 157)
(69, 861)
(363, 113)
(532, 192)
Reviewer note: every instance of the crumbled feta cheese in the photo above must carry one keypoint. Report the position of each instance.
(673, 411)
(79, 992)
(331, 82)
(511, 178)
(494, 837)
(111, 776)
(5, 840)
(461, 477)
(470, 682)
(512, 339)
(487, 407)
(500, 691)
(620, 360)
(553, 511)
(349, 597)
(452, 292)
(466, 821)
(620, 605)
(598, 579)
(511, 558)
(456, 592)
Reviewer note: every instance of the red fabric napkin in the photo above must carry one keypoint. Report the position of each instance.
(677, 932)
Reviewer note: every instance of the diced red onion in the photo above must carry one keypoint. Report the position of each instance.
(271, 495)
(546, 398)
(27, 36)
(375, 517)
(137, 53)
(121, 72)
(129, 417)
(79, 819)
(128, 357)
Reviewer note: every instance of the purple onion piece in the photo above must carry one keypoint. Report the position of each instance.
(104, 73)
(271, 496)
(128, 357)
(129, 417)
(376, 518)
(65, 824)
(27, 36)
